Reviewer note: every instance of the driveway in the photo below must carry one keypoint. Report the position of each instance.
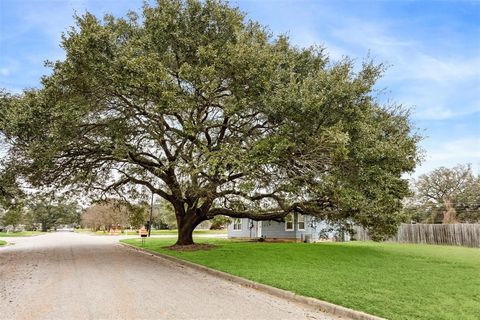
(77, 276)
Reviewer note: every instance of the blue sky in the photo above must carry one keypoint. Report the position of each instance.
(432, 48)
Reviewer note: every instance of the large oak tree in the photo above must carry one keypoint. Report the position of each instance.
(212, 113)
(449, 194)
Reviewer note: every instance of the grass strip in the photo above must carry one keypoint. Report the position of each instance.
(395, 281)
(21, 234)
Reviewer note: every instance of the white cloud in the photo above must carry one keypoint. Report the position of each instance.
(368, 36)
(4, 72)
(421, 75)
(451, 153)
(446, 71)
(442, 86)
(467, 148)
(433, 101)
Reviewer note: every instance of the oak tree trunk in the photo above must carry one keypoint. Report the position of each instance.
(186, 224)
(44, 227)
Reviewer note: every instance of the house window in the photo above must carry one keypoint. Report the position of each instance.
(301, 222)
(289, 222)
(237, 224)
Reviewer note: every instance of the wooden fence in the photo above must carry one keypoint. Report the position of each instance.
(458, 234)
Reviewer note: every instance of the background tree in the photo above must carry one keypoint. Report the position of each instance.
(220, 222)
(107, 214)
(11, 204)
(10, 192)
(468, 202)
(210, 112)
(50, 213)
(93, 218)
(447, 195)
(164, 215)
(12, 216)
(137, 215)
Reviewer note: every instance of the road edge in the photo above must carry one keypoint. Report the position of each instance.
(324, 306)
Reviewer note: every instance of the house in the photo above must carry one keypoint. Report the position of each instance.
(296, 227)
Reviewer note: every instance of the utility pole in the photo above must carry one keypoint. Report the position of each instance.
(150, 220)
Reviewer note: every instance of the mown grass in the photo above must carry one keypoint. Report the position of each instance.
(21, 234)
(395, 281)
(2, 243)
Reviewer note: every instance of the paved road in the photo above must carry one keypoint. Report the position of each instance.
(75, 276)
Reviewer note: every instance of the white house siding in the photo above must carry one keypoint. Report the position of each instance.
(248, 230)
(276, 230)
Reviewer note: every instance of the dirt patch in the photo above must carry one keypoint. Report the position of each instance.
(191, 247)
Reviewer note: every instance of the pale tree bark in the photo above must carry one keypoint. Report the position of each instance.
(450, 215)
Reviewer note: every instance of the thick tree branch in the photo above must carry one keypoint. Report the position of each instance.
(254, 215)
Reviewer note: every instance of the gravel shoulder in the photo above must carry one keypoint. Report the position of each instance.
(77, 276)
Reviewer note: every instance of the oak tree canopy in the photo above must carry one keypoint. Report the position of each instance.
(209, 111)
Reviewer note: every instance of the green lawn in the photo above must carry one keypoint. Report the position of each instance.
(2, 243)
(395, 281)
(21, 234)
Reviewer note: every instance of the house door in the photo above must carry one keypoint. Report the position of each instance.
(259, 229)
